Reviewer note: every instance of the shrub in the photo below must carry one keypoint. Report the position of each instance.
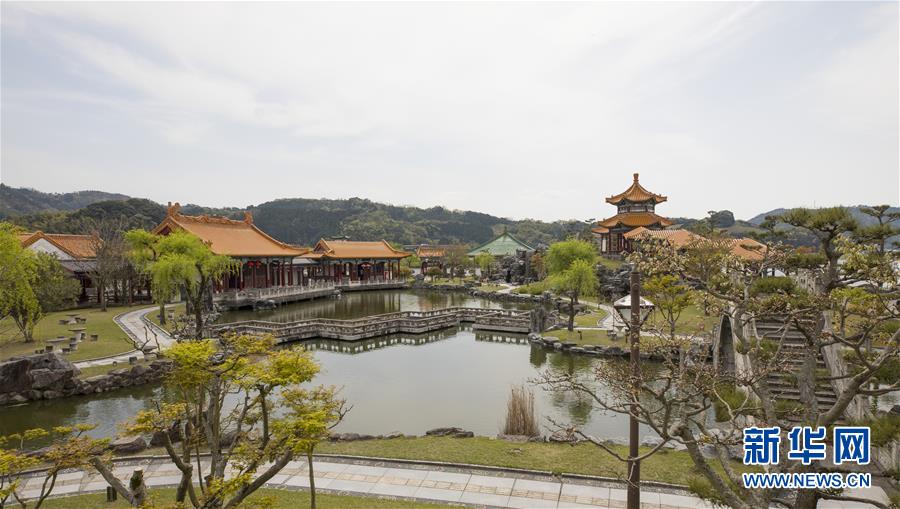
(703, 489)
(733, 397)
(771, 285)
(520, 415)
(536, 288)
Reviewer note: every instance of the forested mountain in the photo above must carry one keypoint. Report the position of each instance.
(17, 201)
(127, 214)
(303, 221)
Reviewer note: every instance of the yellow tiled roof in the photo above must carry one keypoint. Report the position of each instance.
(636, 193)
(228, 236)
(634, 219)
(351, 249)
(77, 246)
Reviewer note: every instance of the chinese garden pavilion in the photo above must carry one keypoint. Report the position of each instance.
(503, 245)
(265, 262)
(348, 262)
(636, 208)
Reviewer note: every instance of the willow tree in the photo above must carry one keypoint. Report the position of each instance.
(572, 267)
(31, 284)
(183, 263)
(248, 405)
(143, 251)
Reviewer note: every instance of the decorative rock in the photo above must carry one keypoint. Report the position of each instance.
(562, 437)
(128, 444)
(393, 434)
(51, 394)
(449, 432)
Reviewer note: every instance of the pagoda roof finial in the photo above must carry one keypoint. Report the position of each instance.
(636, 193)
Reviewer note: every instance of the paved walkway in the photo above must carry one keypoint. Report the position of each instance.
(386, 479)
(477, 488)
(133, 324)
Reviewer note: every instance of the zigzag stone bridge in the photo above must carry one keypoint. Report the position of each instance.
(409, 322)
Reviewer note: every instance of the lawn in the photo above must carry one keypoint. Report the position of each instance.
(585, 337)
(666, 466)
(610, 264)
(106, 368)
(691, 321)
(448, 281)
(283, 499)
(589, 320)
(490, 287)
(153, 316)
(112, 339)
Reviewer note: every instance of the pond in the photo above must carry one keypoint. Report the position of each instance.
(406, 383)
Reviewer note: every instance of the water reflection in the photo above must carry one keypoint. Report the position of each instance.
(361, 304)
(403, 382)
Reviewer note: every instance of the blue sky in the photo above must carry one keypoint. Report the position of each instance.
(521, 110)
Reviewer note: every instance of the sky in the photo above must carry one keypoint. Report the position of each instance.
(538, 110)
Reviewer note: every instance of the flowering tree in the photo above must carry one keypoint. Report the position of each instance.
(837, 306)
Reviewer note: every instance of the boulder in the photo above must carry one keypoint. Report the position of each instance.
(449, 432)
(16, 373)
(128, 444)
(393, 434)
(50, 394)
(46, 378)
(562, 437)
(138, 370)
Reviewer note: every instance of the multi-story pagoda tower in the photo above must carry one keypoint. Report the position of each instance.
(636, 208)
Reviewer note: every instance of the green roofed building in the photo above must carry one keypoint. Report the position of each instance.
(503, 245)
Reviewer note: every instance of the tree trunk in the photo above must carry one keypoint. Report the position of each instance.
(101, 288)
(138, 488)
(198, 319)
(312, 479)
(162, 313)
(571, 313)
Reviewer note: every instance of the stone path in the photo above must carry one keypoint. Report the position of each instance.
(386, 479)
(476, 488)
(133, 324)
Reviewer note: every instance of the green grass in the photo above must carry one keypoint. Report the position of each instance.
(591, 319)
(489, 287)
(691, 321)
(666, 466)
(283, 499)
(536, 288)
(586, 337)
(106, 368)
(153, 316)
(449, 281)
(112, 338)
(610, 264)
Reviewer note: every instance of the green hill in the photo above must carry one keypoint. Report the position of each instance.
(19, 201)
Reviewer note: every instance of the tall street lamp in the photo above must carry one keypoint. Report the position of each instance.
(634, 311)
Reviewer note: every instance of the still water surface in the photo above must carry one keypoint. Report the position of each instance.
(406, 383)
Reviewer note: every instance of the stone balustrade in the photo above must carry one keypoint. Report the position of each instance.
(410, 322)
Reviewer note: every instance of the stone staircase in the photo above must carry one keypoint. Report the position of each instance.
(784, 384)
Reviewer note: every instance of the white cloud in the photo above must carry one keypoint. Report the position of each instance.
(454, 103)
